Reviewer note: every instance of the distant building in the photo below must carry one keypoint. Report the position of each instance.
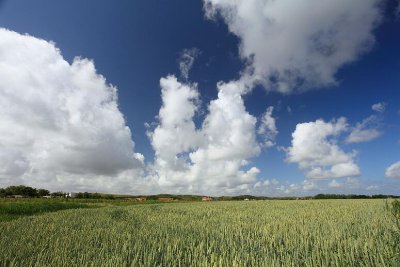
(17, 196)
(246, 199)
(140, 199)
(206, 199)
(46, 196)
(71, 194)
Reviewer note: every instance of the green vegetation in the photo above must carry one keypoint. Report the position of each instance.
(10, 210)
(237, 233)
(87, 195)
(177, 197)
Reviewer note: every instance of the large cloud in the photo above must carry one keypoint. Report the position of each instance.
(315, 150)
(298, 44)
(59, 121)
(212, 159)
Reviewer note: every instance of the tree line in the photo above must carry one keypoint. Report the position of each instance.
(31, 192)
(25, 191)
(352, 196)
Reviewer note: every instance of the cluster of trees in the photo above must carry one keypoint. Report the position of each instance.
(25, 191)
(177, 197)
(338, 196)
(88, 195)
(319, 196)
(31, 192)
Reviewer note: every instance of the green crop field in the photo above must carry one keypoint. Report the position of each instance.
(242, 233)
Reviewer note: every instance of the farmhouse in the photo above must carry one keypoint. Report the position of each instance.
(140, 199)
(206, 199)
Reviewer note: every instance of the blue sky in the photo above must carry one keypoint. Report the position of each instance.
(134, 44)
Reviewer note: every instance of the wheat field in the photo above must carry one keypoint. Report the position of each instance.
(242, 233)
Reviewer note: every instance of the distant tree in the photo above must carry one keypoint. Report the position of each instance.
(25, 191)
(43, 192)
(2, 192)
(29, 191)
(12, 190)
(83, 195)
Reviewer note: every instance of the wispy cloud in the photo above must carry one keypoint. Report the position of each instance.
(267, 129)
(379, 107)
(365, 131)
(370, 128)
(186, 61)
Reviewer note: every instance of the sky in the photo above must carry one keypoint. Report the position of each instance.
(212, 97)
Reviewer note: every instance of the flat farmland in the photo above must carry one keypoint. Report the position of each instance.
(235, 233)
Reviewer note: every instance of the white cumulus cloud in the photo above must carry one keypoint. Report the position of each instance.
(59, 121)
(393, 171)
(213, 158)
(315, 150)
(290, 45)
(175, 133)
